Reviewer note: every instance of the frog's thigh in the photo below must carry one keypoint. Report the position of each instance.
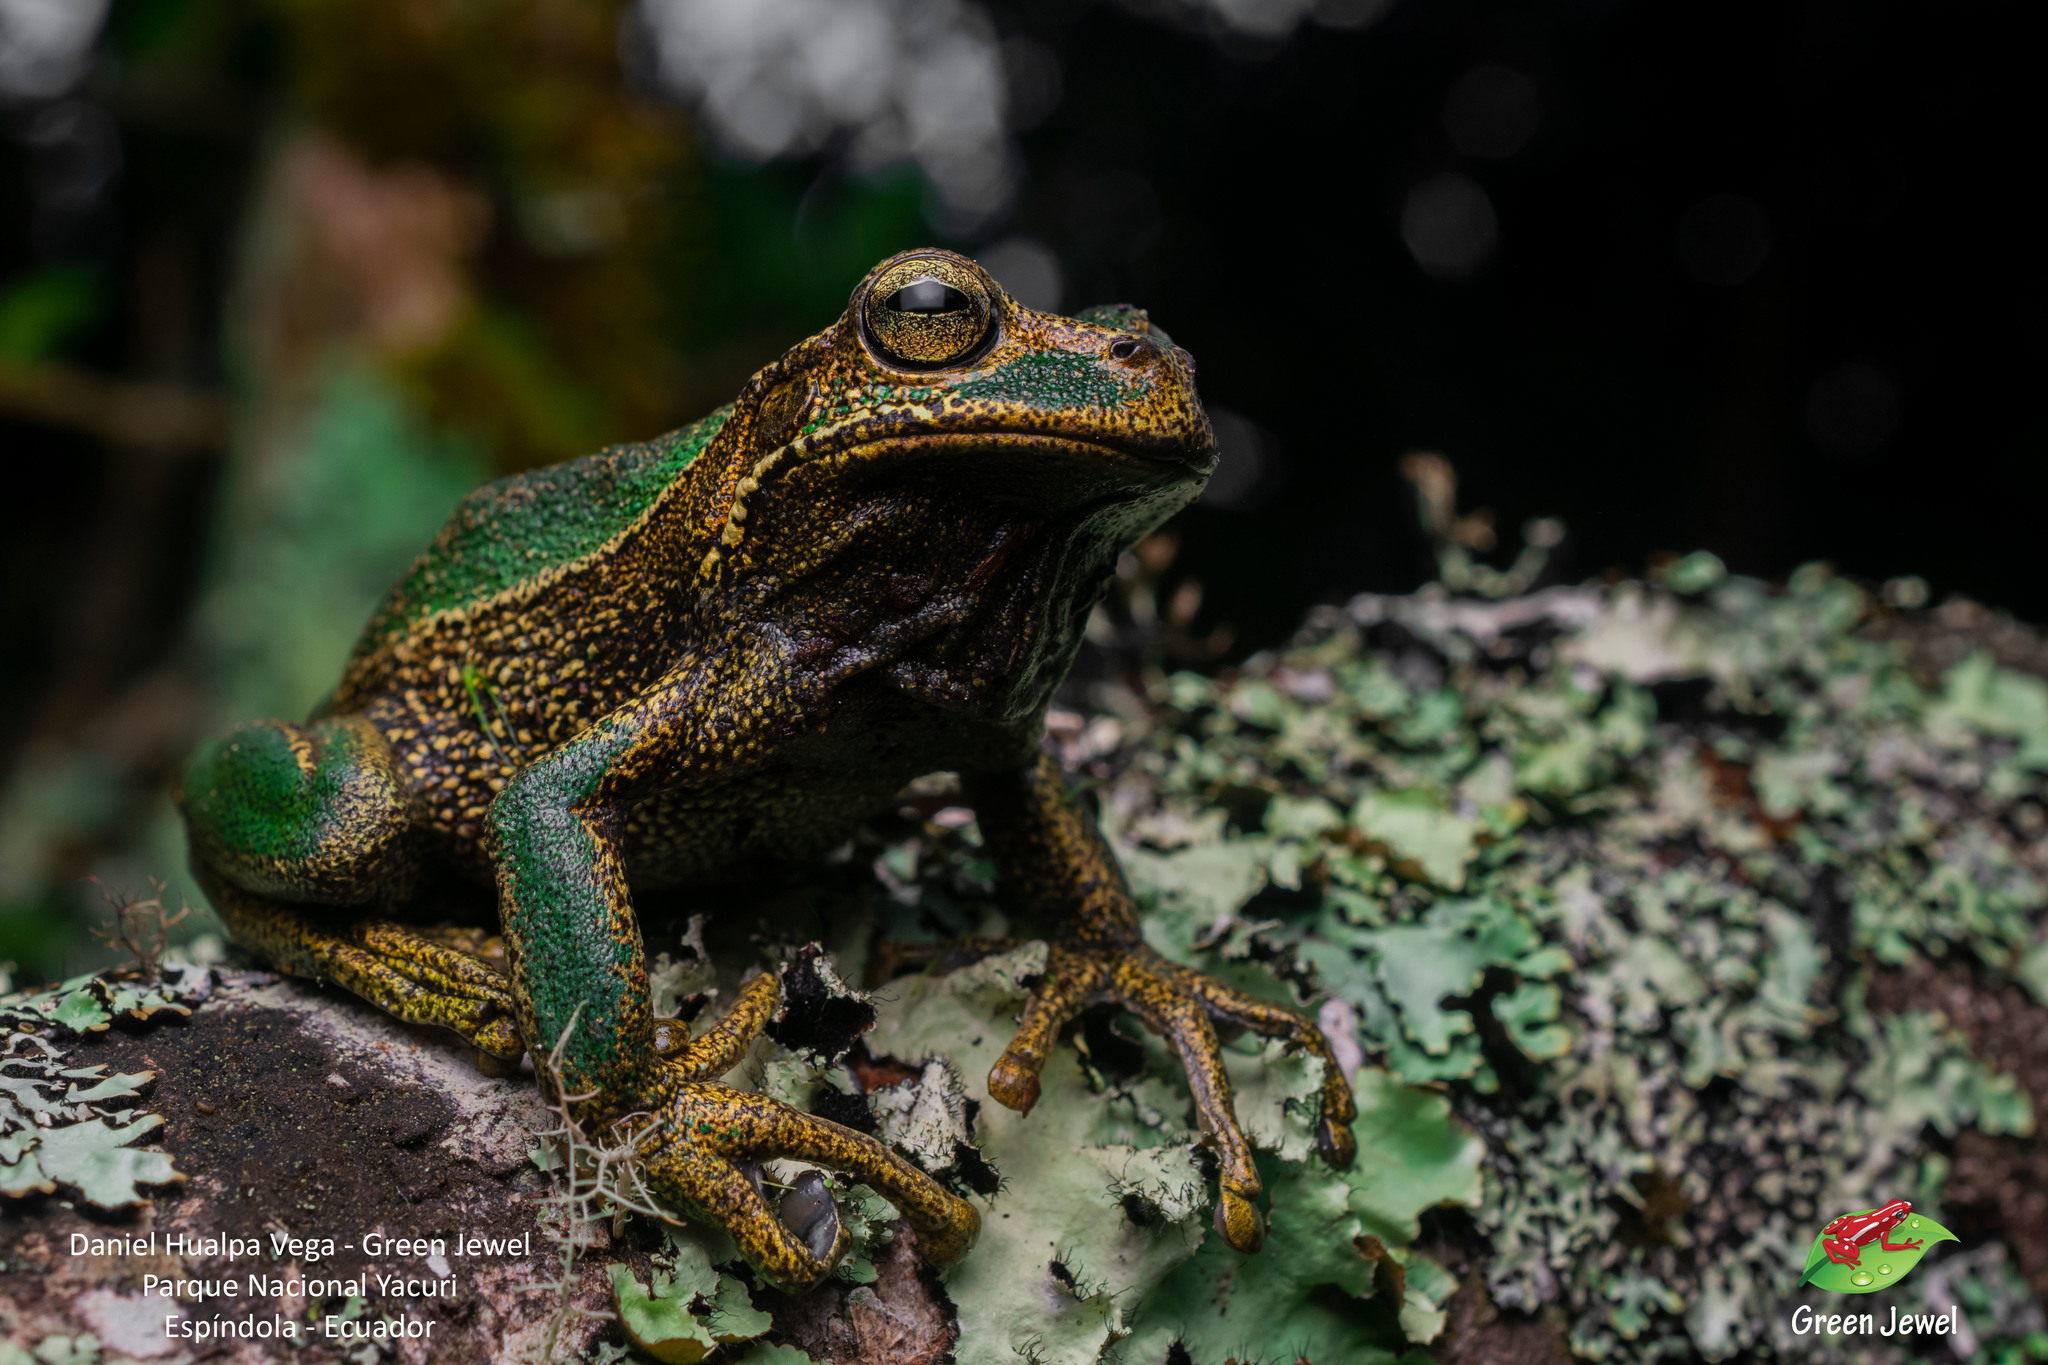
(314, 814)
(282, 817)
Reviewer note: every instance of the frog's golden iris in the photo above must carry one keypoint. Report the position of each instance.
(927, 312)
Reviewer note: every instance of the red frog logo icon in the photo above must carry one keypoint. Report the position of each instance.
(1845, 1238)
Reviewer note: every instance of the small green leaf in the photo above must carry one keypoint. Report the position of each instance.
(112, 1088)
(1423, 839)
(1302, 817)
(1696, 572)
(763, 1354)
(1530, 1013)
(1425, 1287)
(1447, 953)
(689, 1273)
(731, 1315)
(664, 1328)
(1875, 1268)
(81, 1012)
(94, 1158)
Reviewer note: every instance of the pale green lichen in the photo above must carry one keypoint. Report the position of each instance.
(74, 1126)
(1631, 948)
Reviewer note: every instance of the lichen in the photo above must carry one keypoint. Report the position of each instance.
(1609, 872)
(73, 1126)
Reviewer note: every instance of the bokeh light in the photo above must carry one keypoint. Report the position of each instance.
(1450, 226)
(877, 80)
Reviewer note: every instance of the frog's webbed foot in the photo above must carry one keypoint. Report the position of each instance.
(392, 967)
(1180, 1005)
(706, 1155)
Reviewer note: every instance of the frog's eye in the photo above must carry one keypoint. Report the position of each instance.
(922, 314)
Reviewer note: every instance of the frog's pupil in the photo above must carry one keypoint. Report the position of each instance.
(928, 296)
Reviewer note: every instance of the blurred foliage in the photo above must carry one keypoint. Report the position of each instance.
(40, 313)
(623, 285)
(570, 348)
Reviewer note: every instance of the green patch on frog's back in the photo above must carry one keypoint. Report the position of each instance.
(512, 531)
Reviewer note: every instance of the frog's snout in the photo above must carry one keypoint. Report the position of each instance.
(1141, 351)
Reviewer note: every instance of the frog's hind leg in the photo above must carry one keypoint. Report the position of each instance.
(283, 819)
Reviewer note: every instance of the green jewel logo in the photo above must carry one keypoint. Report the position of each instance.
(1860, 1253)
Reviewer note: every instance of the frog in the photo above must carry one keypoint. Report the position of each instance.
(646, 667)
(1845, 1238)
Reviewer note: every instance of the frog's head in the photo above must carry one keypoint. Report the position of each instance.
(940, 482)
(938, 385)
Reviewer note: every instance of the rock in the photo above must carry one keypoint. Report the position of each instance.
(300, 1113)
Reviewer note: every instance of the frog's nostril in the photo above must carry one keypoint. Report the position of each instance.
(1123, 348)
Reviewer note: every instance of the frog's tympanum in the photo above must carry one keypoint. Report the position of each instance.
(649, 666)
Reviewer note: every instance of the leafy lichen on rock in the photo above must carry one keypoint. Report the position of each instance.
(1618, 867)
(71, 1125)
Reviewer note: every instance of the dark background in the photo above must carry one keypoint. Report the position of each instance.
(1754, 278)
(1585, 370)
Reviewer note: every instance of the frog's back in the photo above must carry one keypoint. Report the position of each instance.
(510, 533)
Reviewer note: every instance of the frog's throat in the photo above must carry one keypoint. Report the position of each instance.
(1127, 457)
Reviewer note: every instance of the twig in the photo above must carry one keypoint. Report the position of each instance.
(600, 1182)
(164, 417)
(141, 926)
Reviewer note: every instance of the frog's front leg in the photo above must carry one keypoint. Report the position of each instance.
(1051, 859)
(580, 982)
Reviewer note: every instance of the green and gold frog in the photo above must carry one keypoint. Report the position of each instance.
(643, 668)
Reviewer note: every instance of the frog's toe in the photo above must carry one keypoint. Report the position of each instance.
(1239, 1222)
(797, 1243)
(1153, 995)
(808, 1209)
(1336, 1143)
(946, 1224)
(729, 1195)
(1073, 981)
(389, 965)
(1334, 1139)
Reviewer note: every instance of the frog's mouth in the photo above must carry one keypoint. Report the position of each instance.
(1106, 452)
(1052, 474)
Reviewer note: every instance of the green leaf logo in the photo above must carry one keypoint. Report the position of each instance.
(1875, 1268)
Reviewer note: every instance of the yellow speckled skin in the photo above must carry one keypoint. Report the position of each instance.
(647, 667)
